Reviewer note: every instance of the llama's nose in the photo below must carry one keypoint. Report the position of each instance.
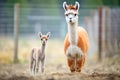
(70, 19)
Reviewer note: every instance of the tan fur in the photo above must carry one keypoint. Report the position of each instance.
(71, 7)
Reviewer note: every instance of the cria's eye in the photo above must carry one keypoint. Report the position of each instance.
(41, 39)
(46, 39)
(75, 14)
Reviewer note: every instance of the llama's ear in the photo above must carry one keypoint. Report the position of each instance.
(40, 34)
(48, 34)
(65, 6)
(77, 5)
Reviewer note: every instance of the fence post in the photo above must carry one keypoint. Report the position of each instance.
(16, 17)
(106, 31)
(100, 34)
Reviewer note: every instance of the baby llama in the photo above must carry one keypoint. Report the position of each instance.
(38, 54)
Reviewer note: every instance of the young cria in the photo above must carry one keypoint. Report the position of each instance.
(76, 42)
(38, 55)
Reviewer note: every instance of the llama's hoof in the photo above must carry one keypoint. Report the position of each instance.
(72, 70)
(78, 70)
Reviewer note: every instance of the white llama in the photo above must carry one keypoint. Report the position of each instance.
(76, 42)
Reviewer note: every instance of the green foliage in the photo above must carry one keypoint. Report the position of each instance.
(110, 2)
(101, 2)
(92, 2)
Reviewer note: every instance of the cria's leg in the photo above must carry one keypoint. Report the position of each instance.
(31, 61)
(34, 67)
(37, 64)
(71, 64)
(31, 65)
(42, 65)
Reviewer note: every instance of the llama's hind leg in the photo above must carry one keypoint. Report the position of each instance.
(31, 65)
(71, 64)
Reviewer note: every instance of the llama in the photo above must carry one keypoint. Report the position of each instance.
(38, 55)
(76, 42)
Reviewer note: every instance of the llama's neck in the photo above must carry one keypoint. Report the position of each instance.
(72, 31)
(43, 48)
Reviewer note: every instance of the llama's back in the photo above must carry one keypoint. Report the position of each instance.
(83, 41)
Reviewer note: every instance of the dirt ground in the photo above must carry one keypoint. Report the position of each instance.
(108, 69)
(55, 63)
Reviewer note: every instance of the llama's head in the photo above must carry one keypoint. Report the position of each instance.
(71, 12)
(44, 38)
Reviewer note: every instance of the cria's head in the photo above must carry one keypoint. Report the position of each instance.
(44, 38)
(71, 12)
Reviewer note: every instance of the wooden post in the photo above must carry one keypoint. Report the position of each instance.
(100, 34)
(106, 31)
(16, 17)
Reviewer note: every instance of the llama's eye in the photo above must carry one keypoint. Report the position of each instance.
(46, 39)
(66, 14)
(41, 39)
(75, 14)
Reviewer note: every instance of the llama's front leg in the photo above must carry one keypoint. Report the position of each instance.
(42, 65)
(71, 64)
(80, 63)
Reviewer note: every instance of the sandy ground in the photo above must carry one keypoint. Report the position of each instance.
(106, 70)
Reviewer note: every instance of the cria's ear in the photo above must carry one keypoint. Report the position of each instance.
(65, 6)
(77, 5)
(40, 34)
(48, 34)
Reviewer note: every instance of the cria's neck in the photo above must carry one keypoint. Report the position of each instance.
(43, 48)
